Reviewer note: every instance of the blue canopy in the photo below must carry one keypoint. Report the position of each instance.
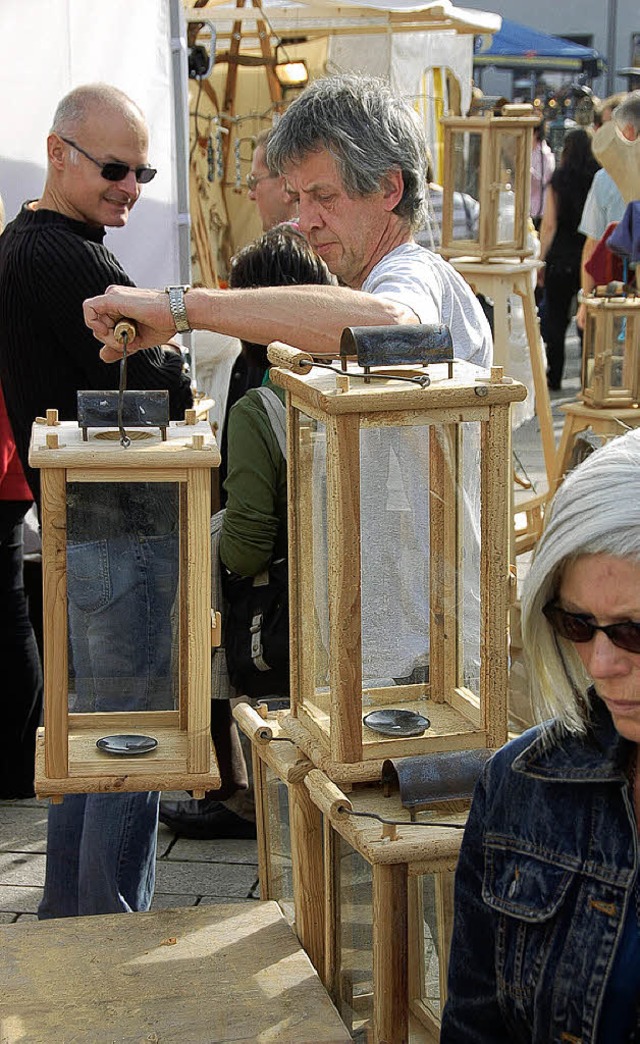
(517, 46)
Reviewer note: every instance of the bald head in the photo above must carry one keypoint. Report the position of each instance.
(91, 101)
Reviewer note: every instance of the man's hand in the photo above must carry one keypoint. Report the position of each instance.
(148, 309)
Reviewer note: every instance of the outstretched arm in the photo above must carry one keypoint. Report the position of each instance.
(308, 317)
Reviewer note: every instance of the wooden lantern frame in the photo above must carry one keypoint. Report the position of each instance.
(605, 318)
(400, 857)
(333, 736)
(517, 125)
(67, 759)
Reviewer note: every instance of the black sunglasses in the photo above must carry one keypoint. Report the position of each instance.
(115, 171)
(577, 628)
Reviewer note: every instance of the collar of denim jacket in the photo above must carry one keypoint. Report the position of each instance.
(599, 755)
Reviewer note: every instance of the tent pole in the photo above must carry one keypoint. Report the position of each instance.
(180, 72)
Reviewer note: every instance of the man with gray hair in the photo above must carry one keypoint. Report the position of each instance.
(122, 538)
(354, 156)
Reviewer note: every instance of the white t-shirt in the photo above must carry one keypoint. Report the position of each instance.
(395, 482)
(435, 293)
(603, 205)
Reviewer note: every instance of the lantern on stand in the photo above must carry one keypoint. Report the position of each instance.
(126, 705)
(611, 351)
(488, 158)
(398, 554)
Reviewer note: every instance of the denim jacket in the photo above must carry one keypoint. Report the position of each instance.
(546, 872)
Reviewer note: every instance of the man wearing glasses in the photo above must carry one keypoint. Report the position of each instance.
(269, 190)
(100, 847)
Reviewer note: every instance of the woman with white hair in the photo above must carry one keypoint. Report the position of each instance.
(546, 938)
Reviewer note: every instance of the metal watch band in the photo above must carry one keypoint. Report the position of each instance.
(178, 307)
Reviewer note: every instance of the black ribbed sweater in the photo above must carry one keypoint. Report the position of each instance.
(49, 264)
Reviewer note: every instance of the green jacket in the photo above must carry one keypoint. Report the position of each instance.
(254, 529)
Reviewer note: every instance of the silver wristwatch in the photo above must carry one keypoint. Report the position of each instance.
(178, 308)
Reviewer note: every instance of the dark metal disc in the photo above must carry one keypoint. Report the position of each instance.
(394, 722)
(127, 744)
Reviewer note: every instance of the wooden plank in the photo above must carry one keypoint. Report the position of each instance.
(390, 954)
(55, 621)
(208, 973)
(495, 528)
(198, 692)
(344, 568)
(176, 451)
(305, 821)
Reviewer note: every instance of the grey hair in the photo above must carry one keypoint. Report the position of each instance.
(595, 511)
(261, 139)
(2, 214)
(369, 131)
(91, 98)
(627, 113)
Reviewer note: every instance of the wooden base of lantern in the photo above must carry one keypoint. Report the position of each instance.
(407, 941)
(579, 417)
(92, 771)
(500, 280)
(453, 726)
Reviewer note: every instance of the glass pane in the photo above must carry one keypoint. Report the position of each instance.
(589, 348)
(467, 159)
(420, 561)
(354, 940)
(313, 557)
(435, 917)
(506, 182)
(278, 839)
(122, 580)
(618, 351)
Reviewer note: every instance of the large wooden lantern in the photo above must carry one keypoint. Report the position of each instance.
(399, 527)
(611, 352)
(488, 158)
(126, 706)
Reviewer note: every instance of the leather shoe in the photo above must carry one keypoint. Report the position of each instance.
(204, 820)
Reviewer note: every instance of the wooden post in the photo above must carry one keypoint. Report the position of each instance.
(55, 621)
(305, 821)
(390, 954)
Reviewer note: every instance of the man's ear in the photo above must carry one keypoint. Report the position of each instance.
(55, 151)
(392, 186)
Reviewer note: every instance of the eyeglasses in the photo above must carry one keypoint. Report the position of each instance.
(255, 179)
(579, 629)
(116, 171)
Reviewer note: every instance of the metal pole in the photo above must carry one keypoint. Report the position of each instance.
(180, 71)
(612, 27)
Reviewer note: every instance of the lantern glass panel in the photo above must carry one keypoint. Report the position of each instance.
(506, 179)
(432, 940)
(123, 570)
(414, 569)
(467, 160)
(315, 626)
(354, 939)
(280, 879)
(618, 377)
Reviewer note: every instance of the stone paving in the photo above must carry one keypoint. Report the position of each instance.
(193, 872)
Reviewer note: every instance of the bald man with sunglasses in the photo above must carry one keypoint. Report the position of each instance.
(121, 577)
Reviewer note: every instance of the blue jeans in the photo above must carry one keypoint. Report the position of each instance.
(101, 855)
(101, 848)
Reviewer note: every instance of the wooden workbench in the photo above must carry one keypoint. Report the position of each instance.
(185, 976)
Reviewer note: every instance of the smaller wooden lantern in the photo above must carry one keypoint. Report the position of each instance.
(488, 158)
(84, 748)
(611, 352)
(389, 911)
(399, 523)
